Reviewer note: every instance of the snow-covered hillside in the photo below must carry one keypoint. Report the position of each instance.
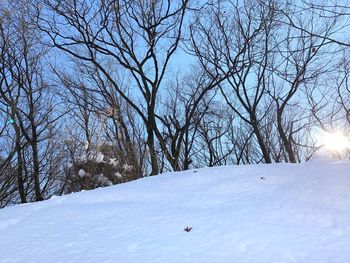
(259, 213)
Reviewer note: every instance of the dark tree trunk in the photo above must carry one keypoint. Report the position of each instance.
(36, 172)
(152, 151)
(262, 145)
(286, 143)
(20, 181)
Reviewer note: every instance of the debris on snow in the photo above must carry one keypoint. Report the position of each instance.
(188, 229)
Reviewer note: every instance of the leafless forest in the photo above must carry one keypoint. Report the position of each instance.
(100, 92)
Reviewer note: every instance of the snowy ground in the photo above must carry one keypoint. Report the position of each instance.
(240, 214)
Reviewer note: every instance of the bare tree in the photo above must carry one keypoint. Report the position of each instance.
(298, 62)
(140, 36)
(332, 16)
(238, 37)
(10, 94)
(26, 94)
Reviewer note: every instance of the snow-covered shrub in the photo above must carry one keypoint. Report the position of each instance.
(102, 167)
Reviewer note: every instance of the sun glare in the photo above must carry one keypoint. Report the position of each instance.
(335, 141)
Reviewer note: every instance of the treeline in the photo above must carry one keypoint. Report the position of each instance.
(100, 92)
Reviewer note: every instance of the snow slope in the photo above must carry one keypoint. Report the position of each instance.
(278, 213)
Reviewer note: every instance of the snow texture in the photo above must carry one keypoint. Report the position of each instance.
(280, 213)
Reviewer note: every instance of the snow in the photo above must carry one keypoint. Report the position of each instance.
(104, 180)
(114, 162)
(81, 173)
(280, 213)
(118, 175)
(100, 157)
(127, 167)
(87, 145)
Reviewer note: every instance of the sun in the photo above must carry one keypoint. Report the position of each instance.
(335, 141)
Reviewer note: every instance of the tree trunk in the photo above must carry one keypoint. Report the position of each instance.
(286, 143)
(152, 151)
(261, 142)
(20, 182)
(36, 172)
